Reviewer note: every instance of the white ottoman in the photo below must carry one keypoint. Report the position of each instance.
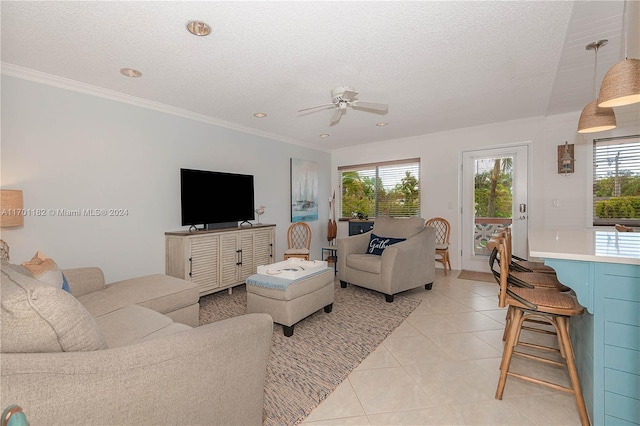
(289, 301)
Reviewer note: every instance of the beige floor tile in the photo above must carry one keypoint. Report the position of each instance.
(436, 416)
(433, 324)
(462, 346)
(412, 350)
(492, 412)
(492, 337)
(559, 409)
(496, 314)
(446, 305)
(343, 421)
(341, 403)
(380, 358)
(479, 303)
(387, 389)
(405, 330)
(473, 321)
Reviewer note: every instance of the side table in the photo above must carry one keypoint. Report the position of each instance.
(332, 252)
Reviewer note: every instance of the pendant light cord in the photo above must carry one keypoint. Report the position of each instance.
(595, 74)
(624, 28)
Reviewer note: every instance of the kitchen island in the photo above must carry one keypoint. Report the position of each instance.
(603, 268)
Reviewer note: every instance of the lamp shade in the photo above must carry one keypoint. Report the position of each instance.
(621, 84)
(596, 119)
(12, 206)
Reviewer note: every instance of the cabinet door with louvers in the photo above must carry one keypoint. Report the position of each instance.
(204, 262)
(263, 248)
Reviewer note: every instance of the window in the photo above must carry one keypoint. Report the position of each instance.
(616, 181)
(380, 189)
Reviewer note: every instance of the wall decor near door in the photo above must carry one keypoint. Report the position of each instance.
(304, 190)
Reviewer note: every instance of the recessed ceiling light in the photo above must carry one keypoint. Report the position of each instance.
(260, 115)
(324, 135)
(130, 72)
(382, 124)
(198, 28)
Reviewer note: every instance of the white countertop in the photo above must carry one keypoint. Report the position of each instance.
(590, 245)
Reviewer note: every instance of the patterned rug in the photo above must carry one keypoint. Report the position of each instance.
(476, 276)
(305, 368)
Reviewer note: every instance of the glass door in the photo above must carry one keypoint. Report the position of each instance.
(494, 194)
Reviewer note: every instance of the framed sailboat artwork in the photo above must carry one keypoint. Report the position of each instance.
(304, 190)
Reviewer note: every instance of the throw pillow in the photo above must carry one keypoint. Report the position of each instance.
(378, 244)
(43, 268)
(38, 317)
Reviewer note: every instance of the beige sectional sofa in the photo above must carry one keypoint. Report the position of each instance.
(126, 353)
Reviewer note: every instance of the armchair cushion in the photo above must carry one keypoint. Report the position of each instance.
(395, 227)
(377, 244)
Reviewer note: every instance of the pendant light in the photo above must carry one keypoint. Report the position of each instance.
(593, 117)
(621, 84)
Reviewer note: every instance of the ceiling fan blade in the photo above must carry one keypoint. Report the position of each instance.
(317, 106)
(335, 118)
(371, 105)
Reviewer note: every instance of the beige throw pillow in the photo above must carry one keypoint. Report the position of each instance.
(37, 317)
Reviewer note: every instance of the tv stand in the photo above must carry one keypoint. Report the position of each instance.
(219, 259)
(245, 221)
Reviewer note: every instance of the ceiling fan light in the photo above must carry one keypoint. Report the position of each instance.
(596, 119)
(621, 84)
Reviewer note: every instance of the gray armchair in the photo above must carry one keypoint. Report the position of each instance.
(402, 266)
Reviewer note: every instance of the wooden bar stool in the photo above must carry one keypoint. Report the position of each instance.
(545, 305)
(519, 264)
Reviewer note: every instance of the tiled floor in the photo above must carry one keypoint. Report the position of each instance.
(440, 367)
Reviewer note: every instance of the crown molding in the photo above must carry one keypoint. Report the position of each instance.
(91, 90)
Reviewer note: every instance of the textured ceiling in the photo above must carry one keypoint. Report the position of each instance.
(439, 65)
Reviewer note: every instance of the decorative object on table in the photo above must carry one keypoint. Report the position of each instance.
(304, 190)
(621, 84)
(260, 212)
(595, 118)
(298, 241)
(566, 159)
(12, 215)
(343, 97)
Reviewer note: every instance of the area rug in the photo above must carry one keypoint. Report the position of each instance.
(305, 368)
(476, 276)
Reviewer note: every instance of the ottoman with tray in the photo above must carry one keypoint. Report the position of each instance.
(290, 291)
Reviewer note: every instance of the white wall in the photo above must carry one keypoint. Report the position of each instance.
(68, 150)
(440, 153)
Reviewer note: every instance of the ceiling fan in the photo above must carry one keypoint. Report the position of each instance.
(343, 97)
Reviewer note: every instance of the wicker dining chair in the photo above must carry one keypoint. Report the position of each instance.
(443, 231)
(299, 241)
(554, 307)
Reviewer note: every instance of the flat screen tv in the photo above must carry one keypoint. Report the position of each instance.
(215, 198)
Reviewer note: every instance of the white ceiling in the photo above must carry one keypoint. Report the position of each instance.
(439, 65)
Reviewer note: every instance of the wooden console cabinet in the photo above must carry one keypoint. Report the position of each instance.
(219, 259)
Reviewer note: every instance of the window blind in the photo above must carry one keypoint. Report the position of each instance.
(616, 181)
(389, 188)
